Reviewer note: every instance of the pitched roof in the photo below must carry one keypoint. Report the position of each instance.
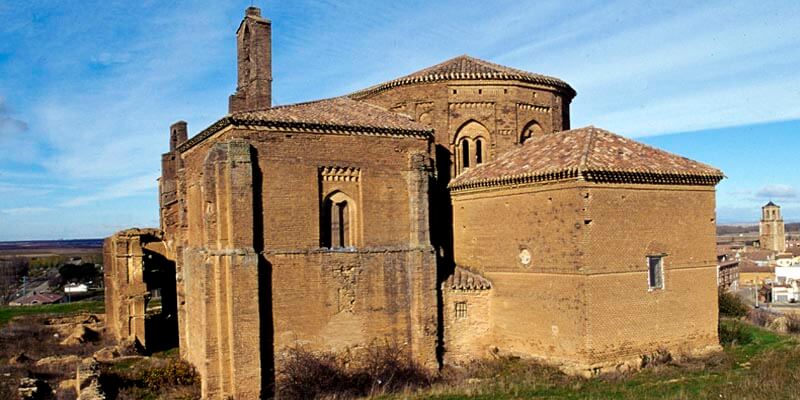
(336, 115)
(465, 67)
(770, 204)
(587, 153)
(463, 279)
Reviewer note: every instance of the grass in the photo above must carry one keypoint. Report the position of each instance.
(9, 312)
(761, 365)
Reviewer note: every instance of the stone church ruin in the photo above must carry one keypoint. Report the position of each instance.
(451, 210)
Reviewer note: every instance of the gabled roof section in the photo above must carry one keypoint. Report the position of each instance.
(770, 204)
(467, 68)
(339, 115)
(590, 154)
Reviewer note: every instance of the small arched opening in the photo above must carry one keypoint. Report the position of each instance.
(337, 230)
(531, 130)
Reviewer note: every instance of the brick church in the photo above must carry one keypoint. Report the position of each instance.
(451, 210)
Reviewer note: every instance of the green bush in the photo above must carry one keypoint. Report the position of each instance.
(731, 305)
(175, 372)
(734, 333)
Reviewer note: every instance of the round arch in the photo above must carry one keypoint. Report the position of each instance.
(531, 130)
(338, 221)
(471, 145)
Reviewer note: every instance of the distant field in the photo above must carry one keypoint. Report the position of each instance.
(44, 248)
(9, 312)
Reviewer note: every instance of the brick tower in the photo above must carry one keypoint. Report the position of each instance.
(254, 57)
(771, 230)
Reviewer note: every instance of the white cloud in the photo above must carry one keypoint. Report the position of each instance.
(125, 188)
(25, 210)
(777, 191)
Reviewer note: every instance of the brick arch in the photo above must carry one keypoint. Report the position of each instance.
(471, 145)
(339, 221)
(532, 129)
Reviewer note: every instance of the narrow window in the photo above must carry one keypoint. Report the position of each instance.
(655, 271)
(478, 151)
(464, 154)
(461, 310)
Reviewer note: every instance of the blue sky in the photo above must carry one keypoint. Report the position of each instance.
(88, 89)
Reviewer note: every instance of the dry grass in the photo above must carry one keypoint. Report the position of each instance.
(380, 368)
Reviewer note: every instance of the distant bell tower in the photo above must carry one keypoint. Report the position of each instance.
(254, 59)
(772, 234)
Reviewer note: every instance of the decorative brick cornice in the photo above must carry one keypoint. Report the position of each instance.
(533, 107)
(468, 68)
(594, 175)
(481, 104)
(340, 174)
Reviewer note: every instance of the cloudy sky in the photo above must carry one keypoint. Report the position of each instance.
(88, 89)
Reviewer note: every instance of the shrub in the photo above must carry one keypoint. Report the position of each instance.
(734, 333)
(175, 372)
(731, 305)
(380, 368)
(760, 317)
(659, 357)
(793, 323)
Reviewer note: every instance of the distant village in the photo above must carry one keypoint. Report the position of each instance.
(763, 268)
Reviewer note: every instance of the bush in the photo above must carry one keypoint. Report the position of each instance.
(731, 305)
(735, 333)
(760, 317)
(380, 368)
(176, 372)
(793, 323)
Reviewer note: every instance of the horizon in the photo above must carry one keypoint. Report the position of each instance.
(87, 110)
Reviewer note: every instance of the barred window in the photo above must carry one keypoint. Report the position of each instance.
(461, 310)
(655, 271)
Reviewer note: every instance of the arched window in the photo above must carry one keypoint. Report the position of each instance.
(533, 129)
(470, 143)
(336, 230)
(465, 153)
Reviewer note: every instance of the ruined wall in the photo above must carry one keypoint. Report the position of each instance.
(571, 259)
(125, 288)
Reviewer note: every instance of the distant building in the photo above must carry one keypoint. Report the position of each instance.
(772, 235)
(37, 299)
(727, 272)
(751, 274)
(76, 288)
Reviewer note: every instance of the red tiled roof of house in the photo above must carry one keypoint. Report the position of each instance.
(465, 67)
(751, 266)
(336, 115)
(588, 153)
(41, 298)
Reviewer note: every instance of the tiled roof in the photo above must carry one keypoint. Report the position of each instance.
(751, 266)
(462, 279)
(41, 298)
(467, 68)
(340, 115)
(587, 153)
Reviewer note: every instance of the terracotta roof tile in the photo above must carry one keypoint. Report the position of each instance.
(335, 115)
(336, 111)
(462, 279)
(467, 68)
(589, 153)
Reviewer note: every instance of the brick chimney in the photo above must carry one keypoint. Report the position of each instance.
(254, 54)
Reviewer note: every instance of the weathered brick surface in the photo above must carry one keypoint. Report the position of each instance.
(584, 298)
(247, 215)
